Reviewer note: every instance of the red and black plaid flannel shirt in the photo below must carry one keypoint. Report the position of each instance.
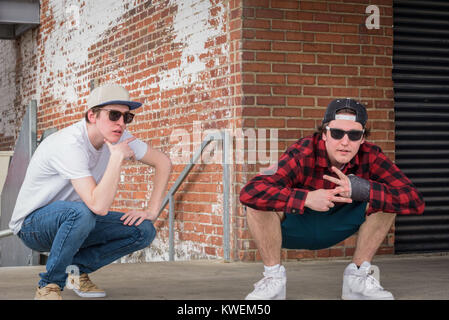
(301, 169)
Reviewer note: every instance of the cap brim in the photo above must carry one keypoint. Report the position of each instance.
(131, 104)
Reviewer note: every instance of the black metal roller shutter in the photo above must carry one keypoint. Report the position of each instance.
(421, 85)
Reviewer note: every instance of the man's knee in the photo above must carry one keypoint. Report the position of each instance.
(83, 215)
(381, 217)
(253, 213)
(147, 233)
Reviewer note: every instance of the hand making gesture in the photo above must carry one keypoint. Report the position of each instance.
(343, 182)
(324, 199)
(122, 148)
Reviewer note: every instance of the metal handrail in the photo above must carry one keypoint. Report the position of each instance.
(224, 137)
(6, 233)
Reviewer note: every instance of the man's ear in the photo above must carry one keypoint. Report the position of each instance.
(92, 116)
(323, 135)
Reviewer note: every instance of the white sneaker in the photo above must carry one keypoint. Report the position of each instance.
(360, 284)
(271, 287)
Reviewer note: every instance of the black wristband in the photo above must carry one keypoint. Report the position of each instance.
(360, 188)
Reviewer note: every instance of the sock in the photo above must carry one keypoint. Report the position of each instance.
(272, 269)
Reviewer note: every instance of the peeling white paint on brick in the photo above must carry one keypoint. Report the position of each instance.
(66, 47)
(158, 251)
(192, 30)
(217, 208)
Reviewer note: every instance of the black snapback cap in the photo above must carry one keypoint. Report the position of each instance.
(334, 106)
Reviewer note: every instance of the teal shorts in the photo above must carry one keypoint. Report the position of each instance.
(315, 230)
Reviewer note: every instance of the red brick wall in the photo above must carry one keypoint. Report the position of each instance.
(299, 55)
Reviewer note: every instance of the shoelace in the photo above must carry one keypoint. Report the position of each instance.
(366, 280)
(373, 281)
(266, 282)
(49, 289)
(86, 283)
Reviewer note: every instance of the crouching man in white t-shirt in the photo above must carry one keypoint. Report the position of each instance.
(70, 184)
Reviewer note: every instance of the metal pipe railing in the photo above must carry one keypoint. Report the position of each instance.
(169, 198)
(6, 233)
(186, 171)
(226, 188)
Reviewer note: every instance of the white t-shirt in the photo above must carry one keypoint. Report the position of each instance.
(64, 155)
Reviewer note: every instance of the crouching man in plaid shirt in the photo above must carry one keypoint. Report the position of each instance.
(327, 187)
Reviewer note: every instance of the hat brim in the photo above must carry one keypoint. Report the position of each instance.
(131, 104)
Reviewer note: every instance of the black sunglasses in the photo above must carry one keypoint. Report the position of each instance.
(115, 115)
(353, 135)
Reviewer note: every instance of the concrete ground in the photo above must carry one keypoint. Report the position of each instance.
(408, 277)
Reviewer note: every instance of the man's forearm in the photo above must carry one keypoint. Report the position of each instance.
(104, 193)
(163, 171)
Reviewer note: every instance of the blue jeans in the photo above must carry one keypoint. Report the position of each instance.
(74, 235)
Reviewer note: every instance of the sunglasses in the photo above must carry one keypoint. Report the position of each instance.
(353, 135)
(115, 115)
